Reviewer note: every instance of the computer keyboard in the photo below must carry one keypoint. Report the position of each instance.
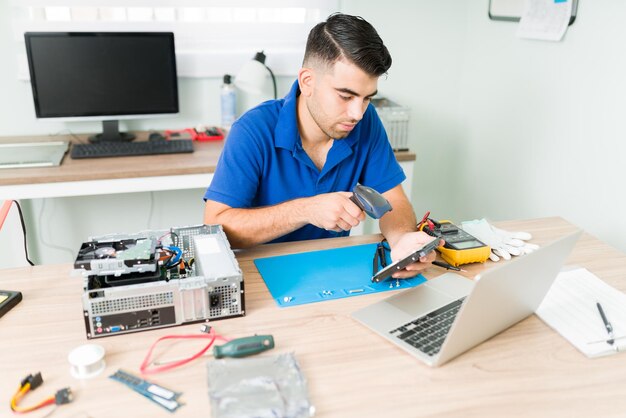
(121, 149)
(428, 332)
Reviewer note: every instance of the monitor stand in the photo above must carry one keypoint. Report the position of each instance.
(111, 133)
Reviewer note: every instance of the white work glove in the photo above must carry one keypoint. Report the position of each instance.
(503, 243)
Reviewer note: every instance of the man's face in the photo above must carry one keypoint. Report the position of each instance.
(339, 98)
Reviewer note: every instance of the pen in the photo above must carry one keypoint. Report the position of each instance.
(447, 266)
(607, 325)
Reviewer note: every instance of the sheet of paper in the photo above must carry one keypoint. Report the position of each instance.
(570, 309)
(545, 19)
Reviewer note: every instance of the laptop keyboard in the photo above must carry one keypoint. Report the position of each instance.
(428, 332)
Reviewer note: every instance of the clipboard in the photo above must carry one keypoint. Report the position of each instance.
(511, 10)
(317, 276)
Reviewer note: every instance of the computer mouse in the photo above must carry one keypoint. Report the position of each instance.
(155, 136)
(213, 131)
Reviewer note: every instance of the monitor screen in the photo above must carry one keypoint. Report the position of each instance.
(103, 75)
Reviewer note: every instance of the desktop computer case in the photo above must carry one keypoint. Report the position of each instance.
(213, 290)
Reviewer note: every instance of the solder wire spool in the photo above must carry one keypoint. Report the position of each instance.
(86, 361)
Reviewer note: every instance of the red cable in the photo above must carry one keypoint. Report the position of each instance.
(144, 368)
(4, 211)
(424, 219)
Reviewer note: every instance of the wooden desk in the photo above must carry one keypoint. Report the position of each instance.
(97, 176)
(528, 370)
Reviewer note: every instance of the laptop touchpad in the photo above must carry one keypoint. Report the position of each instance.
(419, 300)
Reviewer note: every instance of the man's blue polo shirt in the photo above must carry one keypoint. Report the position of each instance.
(263, 162)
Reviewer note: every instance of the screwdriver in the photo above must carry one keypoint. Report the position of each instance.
(246, 346)
(239, 347)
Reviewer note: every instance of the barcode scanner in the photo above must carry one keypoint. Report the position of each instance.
(370, 201)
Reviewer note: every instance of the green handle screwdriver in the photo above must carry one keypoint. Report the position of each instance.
(239, 347)
(246, 346)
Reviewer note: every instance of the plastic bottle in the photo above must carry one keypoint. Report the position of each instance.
(228, 102)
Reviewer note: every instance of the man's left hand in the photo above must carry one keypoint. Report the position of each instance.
(406, 245)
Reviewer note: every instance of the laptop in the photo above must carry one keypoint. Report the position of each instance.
(450, 314)
(32, 154)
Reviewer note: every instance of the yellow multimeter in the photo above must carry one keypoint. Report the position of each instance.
(460, 247)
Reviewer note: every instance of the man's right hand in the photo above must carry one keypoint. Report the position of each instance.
(334, 211)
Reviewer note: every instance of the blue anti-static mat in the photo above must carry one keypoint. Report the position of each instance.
(315, 276)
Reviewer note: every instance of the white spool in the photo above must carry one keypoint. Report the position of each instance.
(86, 361)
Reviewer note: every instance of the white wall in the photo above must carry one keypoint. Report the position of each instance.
(507, 128)
(545, 132)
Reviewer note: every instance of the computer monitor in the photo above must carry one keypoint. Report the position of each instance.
(103, 76)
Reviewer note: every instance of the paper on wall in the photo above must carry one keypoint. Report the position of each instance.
(545, 19)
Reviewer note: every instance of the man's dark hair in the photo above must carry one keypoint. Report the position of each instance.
(349, 37)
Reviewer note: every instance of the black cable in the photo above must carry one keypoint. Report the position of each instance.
(273, 80)
(19, 209)
(175, 265)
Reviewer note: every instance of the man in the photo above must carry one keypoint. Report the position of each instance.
(288, 165)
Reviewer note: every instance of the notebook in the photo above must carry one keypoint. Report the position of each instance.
(32, 154)
(570, 309)
(492, 302)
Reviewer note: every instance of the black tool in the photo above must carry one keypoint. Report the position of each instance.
(370, 201)
(8, 299)
(447, 266)
(380, 257)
